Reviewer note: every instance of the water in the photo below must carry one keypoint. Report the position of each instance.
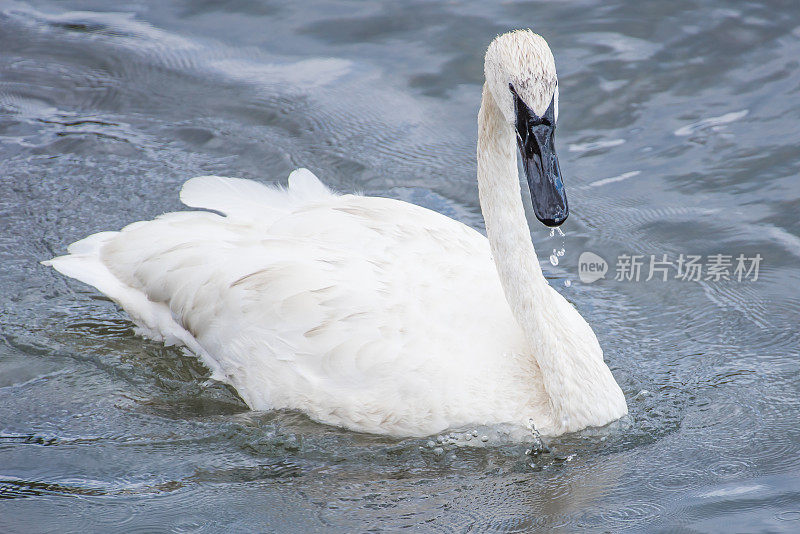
(677, 135)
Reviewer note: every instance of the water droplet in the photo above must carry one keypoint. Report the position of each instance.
(567, 283)
(468, 437)
(560, 231)
(430, 444)
(553, 232)
(560, 252)
(484, 438)
(474, 433)
(553, 259)
(438, 451)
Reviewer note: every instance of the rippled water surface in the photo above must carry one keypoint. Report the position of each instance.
(678, 135)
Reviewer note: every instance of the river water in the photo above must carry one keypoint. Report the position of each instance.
(677, 136)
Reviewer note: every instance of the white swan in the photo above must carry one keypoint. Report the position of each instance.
(370, 313)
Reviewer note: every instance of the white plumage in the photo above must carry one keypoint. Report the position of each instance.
(369, 313)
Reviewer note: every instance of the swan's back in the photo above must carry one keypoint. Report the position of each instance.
(367, 312)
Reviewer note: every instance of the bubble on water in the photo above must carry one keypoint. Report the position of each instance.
(484, 438)
(438, 451)
(430, 444)
(468, 437)
(474, 433)
(567, 283)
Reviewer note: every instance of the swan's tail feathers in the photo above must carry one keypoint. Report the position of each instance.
(237, 197)
(83, 263)
(153, 319)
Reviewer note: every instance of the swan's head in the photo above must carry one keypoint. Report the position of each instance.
(521, 75)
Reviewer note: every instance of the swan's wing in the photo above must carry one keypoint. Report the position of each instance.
(304, 298)
(247, 199)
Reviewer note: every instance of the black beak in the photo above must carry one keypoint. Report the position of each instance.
(536, 141)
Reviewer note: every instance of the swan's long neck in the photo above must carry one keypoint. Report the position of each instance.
(504, 214)
(580, 387)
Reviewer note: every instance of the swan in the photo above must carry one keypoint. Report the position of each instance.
(370, 313)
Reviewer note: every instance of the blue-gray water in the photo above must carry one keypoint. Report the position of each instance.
(677, 135)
